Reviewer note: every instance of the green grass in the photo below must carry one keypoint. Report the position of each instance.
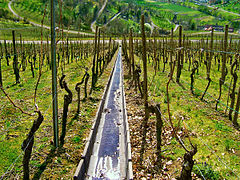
(9, 153)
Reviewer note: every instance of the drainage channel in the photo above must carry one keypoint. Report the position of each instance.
(107, 154)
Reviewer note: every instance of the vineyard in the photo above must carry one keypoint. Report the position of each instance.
(193, 93)
(26, 96)
(182, 102)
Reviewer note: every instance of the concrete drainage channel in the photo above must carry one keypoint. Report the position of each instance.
(107, 154)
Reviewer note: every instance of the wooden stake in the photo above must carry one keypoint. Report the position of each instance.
(145, 90)
(179, 55)
(15, 60)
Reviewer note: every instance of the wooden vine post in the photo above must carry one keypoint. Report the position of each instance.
(109, 50)
(155, 53)
(15, 60)
(132, 55)
(145, 90)
(171, 52)
(235, 123)
(224, 68)
(94, 61)
(54, 76)
(98, 51)
(1, 56)
(125, 53)
(235, 78)
(103, 54)
(67, 55)
(179, 55)
(48, 55)
(159, 126)
(6, 52)
(22, 53)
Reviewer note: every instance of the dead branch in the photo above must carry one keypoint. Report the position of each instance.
(14, 103)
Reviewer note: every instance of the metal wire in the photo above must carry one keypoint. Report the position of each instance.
(200, 171)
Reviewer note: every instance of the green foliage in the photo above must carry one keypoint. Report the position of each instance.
(76, 139)
(206, 171)
(232, 5)
(5, 13)
(74, 14)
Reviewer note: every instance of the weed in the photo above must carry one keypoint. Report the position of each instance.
(76, 139)
(59, 160)
(221, 127)
(173, 142)
(78, 146)
(45, 139)
(35, 163)
(206, 171)
(228, 143)
(63, 171)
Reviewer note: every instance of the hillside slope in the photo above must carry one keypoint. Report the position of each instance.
(119, 16)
